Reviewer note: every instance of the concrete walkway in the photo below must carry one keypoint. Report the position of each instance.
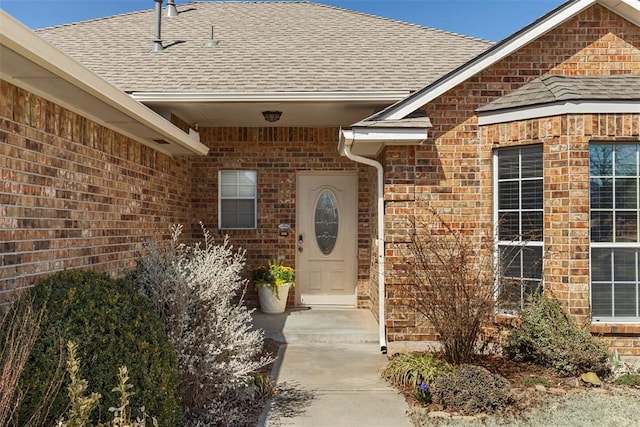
(328, 373)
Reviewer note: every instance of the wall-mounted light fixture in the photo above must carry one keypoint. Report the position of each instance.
(272, 116)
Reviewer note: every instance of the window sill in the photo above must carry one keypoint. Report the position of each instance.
(615, 328)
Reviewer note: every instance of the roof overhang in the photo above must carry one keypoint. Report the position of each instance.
(299, 109)
(369, 141)
(29, 62)
(557, 109)
(628, 9)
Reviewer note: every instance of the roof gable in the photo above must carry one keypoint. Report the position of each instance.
(628, 9)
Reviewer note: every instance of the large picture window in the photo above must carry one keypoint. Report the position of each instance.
(237, 199)
(519, 218)
(615, 244)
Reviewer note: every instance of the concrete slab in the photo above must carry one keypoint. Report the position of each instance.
(328, 373)
(341, 385)
(319, 325)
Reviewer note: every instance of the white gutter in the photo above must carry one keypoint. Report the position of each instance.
(346, 140)
(347, 96)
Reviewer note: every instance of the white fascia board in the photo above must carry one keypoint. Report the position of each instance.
(390, 136)
(29, 45)
(370, 96)
(557, 109)
(483, 61)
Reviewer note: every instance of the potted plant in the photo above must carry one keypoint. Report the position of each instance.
(273, 281)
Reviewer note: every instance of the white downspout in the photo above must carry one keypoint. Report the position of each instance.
(346, 149)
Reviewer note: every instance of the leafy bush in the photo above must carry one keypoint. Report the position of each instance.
(452, 284)
(411, 370)
(549, 337)
(114, 325)
(197, 291)
(472, 390)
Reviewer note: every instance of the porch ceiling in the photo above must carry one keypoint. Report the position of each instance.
(227, 112)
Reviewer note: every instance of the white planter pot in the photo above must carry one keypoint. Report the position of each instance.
(271, 304)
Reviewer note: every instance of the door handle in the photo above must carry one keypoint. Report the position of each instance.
(300, 242)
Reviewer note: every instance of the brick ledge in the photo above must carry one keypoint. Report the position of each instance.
(615, 328)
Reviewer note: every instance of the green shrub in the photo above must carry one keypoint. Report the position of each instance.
(549, 337)
(629, 379)
(472, 390)
(411, 370)
(113, 326)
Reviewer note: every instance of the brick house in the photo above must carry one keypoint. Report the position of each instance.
(539, 134)
(501, 133)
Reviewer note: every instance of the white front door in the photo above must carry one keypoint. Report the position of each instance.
(326, 238)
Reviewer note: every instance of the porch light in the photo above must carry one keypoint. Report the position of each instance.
(272, 116)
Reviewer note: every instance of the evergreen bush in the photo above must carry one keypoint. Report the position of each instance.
(113, 325)
(549, 337)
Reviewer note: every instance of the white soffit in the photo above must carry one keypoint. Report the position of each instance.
(628, 9)
(557, 109)
(29, 62)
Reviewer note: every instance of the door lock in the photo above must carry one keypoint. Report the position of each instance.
(300, 242)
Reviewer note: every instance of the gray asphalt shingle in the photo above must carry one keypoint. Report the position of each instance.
(263, 47)
(551, 88)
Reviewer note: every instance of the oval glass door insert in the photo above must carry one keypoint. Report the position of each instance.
(326, 221)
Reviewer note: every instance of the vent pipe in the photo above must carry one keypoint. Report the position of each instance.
(172, 11)
(157, 43)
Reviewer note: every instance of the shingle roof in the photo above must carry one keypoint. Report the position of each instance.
(263, 47)
(551, 88)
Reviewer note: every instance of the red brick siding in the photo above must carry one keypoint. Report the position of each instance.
(74, 194)
(277, 154)
(452, 171)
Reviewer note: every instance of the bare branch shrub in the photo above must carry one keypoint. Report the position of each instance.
(19, 330)
(198, 292)
(452, 275)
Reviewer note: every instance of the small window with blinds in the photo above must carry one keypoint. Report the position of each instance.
(237, 199)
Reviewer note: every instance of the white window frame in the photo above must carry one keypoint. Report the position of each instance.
(515, 243)
(237, 196)
(613, 245)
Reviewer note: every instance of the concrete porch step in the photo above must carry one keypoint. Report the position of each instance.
(319, 325)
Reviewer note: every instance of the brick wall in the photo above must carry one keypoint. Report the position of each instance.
(74, 194)
(452, 172)
(277, 154)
